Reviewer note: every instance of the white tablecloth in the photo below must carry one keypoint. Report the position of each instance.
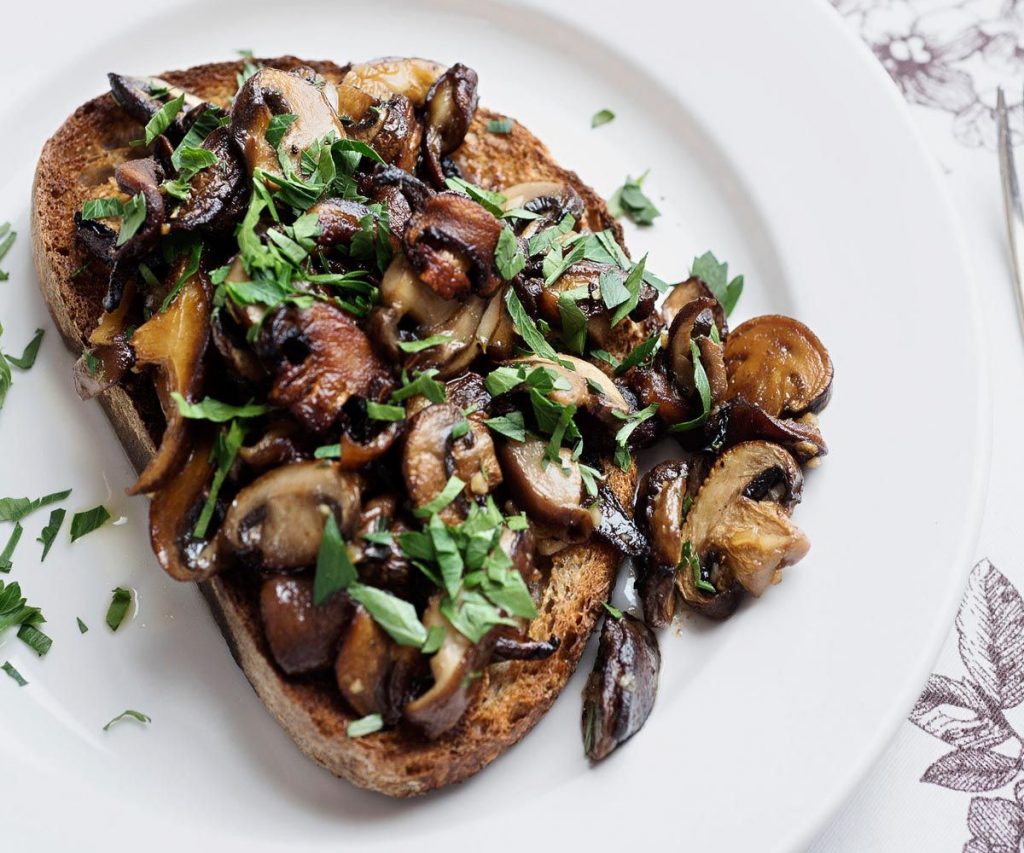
(952, 777)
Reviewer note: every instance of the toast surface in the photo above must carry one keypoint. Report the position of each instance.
(80, 156)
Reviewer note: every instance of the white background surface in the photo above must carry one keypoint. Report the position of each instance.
(891, 811)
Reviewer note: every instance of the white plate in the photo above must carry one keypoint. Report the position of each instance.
(773, 139)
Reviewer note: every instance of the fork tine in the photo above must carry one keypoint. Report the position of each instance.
(1011, 199)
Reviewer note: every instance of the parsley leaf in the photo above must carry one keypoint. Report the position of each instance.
(28, 357)
(5, 376)
(452, 489)
(425, 343)
(614, 612)
(365, 726)
(162, 118)
(511, 426)
(82, 627)
(6, 564)
(328, 451)
(527, 329)
(225, 450)
(424, 384)
(334, 569)
(88, 521)
(691, 562)
(508, 255)
(499, 125)
(209, 409)
(601, 117)
(133, 214)
(700, 381)
(488, 199)
(632, 284)
(278, 127)
(8, 667)
(630, 200)
(7, 238)
(640, 354)
(15, 509)
(118, 609)
(396, 616)
(716, 276)
(129, 714)
(384, 412)
(49, 533)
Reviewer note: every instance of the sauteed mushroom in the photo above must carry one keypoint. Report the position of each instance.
(133, 177)
(450, 243)
(302, 637)
(218, 194)
(395, 75)
(550, 201)
(451, 104)
(738, 528)
(320, 359)
(693, 325)
(779, 364)
(620, 691)
(683, 294)
(523, 648)
(388, 126)
(737, 420)
(136, 97)
(277, 521)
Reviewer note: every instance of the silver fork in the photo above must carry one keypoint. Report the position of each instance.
(1011, 200)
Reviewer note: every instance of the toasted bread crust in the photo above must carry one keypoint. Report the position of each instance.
(513, 695)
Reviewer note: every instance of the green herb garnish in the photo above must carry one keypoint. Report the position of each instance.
(334, 569)
(6, 563)
(614, 612)
(88, 521)
(28, 356)
(700, 381)
(629, 199)
(118, 609)
(49, 533)
(209, 409)
(601, 117)
(716, 276)
(365, 725)
(499, 125)
(508, 255)
(129, 714)
(452, 489)
(511, 426)
(8, 667)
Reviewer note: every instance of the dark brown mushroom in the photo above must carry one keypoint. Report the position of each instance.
(550, 492)
(693, 325)
(136, 97)
(320, 358)
(278, 445)
(518, 647)
(549, 201)
(339, 220)
(616, 526)
(431, 455)
(97, 237)
(374, 673)
(683, 294)
(651, 385)
(383, 565)
(584, 386)
(450, 243)
(410, 77)
(303, 637)
(621, 689)
(737, 420)
(412, 190)
(173, 342)
(219, 194)
(270, 92)
(229, 340)
(453, 666)
(738, 529)
(277, 521)
(450, 107)
(778, 364)
(388, 126)
(109, 356)
(134, 177)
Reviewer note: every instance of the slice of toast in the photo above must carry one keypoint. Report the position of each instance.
(81, 155)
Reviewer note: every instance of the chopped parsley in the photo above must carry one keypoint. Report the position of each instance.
(328, 451)
(209, 409)
(700, 381)
(6, 563)
(508, 255)
(15, 509)
(499, 125)
(511, 426)
(425, 343)
(28, 356)
(88, 521)
(365, 725)
(716, 276)
(601, 117)
(82, 627)
(128, 715)
(334, 569)
(614, 612)
(452, 489)
(49, 533)
(118, 609)
(225, 451)
(629, 200)
(691, 562)
(640, 355)
(162, 119)
(7, 238)
(8, 667)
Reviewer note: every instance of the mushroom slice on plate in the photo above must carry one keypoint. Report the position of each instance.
(692, 327)
(582, 385)
(662, 505)
(395, 75)
(277, 521)
(142, 98)
(620, 691)
(683, 294)
(737, 420)
(450, 243)
(737, 535)
(453, 666)
(450, 107)
(320, 358)
(271, 92)
(135, 177)
(779, 364)
(389, 126)
(550, 492)
(173, 341)
(303, 637)
(432, 455)
(218, 195)
(549, 201)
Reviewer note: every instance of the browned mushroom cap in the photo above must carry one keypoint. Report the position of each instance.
(660, 511)
(133, 177)
(616, 525)
(738, 528)
(320, 358)
(462, 330)
(173, 511)
(229, 339)
(173, 342)
(135, 96)
(383, 565)
(550, 492)
(693, 324)
(737, 420)
(450, 107)
(111, 356)
(395, 75)
(453, 666)
(338, 219)
(219, 194)
(584, 386)
(621, 688)
(652, 387)
(277, 446)
(388, 126)
(683, 294)
(270, 92)
(302, 637)
(431, 455)
(373, 672)
(277, 521)
(779, 364)
(450, 243)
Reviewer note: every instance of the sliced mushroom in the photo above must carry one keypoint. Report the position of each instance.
(389, 126)
(277, 521)
(303, 637)
(173, 342)
(383, 565)
(134, 177)
(738, 528)
(338, 219)
(373, 672)
(549, 201)
(581, 384)
(229, 339)
(453, 666)
(652, 386)
(450, 107)
(136, 97)
(320, 358)
(109, 356)
(270, 92)
(616, 525)
(620, 691)
(395, 75)
(97, 237)
(780, 365)
(737, 420)
(683, 294)
(218, 194)
(277, 446)
(431, 455)
(450, 243)
(173, 511)
(661, 505)
(549, 492)
(693, 325)
(523, 648)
